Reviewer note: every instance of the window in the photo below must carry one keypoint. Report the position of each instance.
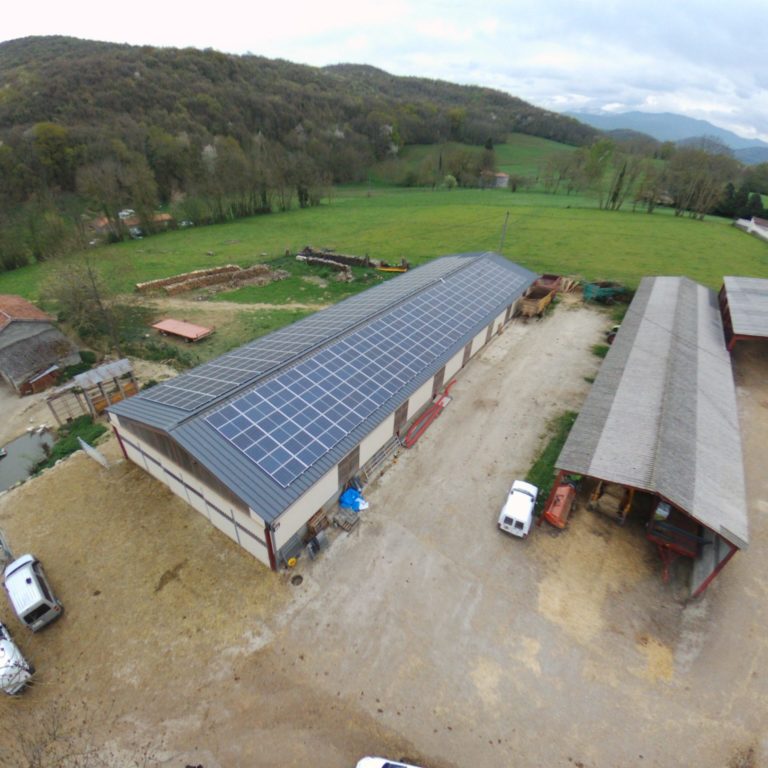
(42, 583)
(31, 617)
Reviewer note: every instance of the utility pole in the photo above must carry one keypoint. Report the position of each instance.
(503, 233)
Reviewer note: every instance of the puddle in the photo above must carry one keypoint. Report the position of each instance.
(21, 456)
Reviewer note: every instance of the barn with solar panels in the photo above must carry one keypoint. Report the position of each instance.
(262, 438)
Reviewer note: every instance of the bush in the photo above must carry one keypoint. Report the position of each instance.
(157, 351)
(542, 473)
(66, 440)
(87, 359)
(601, 350)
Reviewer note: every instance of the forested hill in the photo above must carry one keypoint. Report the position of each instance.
(88, 85)
(90, 129)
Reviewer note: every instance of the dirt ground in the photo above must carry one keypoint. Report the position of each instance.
(425, 633)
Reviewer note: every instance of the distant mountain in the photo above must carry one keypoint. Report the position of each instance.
(666, 126)
(752, 155)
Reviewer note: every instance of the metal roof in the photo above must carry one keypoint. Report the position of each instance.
(175, 400)
(184, 418)
(104, 372)
(662, 415)
(748, 305)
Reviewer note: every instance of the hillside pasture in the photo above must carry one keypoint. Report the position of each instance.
(520, 154)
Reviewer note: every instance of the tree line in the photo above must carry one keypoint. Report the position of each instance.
(695, 179)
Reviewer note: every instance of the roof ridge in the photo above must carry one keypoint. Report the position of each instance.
(279, 368)
(460, 262)
(669, 367)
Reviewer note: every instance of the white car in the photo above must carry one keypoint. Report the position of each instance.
(15, 670)
(517, 513)
(382, 762)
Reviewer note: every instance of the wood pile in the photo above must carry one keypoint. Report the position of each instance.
(229, 274)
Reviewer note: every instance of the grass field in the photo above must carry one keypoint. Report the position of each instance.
(520, 154)
(546, 233)
(306, 285)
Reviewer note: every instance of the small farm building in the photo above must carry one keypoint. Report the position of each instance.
(31, 347)
(661, 423)
(744, 307)
(261, 439)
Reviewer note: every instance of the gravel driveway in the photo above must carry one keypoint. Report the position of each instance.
(425, 633)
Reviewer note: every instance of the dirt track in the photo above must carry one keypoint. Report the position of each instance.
(423, 634)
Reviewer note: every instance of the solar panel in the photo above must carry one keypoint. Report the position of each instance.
(286, 424)
(193, 390)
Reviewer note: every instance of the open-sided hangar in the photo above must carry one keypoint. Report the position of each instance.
(744, 307)
(260, 439)
(662, 419)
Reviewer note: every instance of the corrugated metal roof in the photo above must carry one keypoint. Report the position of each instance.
(214, 381)
(662, 413)
(233, 468)
(105, 372)
(31, 354)
(748, 305)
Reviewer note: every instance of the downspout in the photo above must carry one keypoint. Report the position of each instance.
(120, 442)
(269, 530)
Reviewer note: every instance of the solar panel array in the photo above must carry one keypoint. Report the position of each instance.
(194, 389)
(286, 424)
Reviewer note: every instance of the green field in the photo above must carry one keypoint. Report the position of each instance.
(521, 154)
(546, 233)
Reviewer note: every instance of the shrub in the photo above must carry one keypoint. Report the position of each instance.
(86, 356)
(66, 440)
(542, 473)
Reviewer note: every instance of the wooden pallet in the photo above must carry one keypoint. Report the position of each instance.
(346, 519)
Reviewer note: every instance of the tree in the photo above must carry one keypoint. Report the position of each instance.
(755, 206)
(697, 180)
(596, 162)
(79, 293)
(651, 186)
(755, 177)
(54, 156)
(518, 181)
(120, 180)
(563, 167)
(627, 169)
(169, 159)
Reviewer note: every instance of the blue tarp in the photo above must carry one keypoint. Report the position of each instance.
(353, 499)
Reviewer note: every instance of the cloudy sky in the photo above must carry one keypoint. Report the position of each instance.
(700, 58)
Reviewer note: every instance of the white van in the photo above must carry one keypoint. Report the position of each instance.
(30, 593)
(517, 513)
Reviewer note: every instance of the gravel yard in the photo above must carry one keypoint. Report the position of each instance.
(425, 633)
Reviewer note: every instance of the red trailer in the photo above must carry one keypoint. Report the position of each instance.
(182, 329)
(560, 505)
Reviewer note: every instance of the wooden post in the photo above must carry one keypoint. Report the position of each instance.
(49, 403)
